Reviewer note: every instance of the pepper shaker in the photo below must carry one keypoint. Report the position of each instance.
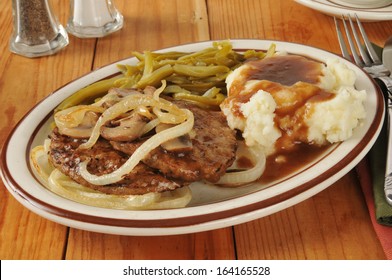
(37, 31)
(93, 18)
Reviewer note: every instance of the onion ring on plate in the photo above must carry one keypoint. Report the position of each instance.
(66, 187)
(242, 177)
(39, 160)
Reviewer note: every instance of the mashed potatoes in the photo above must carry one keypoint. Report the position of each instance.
(335, 120)
(307, 102)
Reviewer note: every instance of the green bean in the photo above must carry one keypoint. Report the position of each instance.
(199, 88)
(129, 70)
(148, 63)
(187, 72)
(212, 92)
(127, 82)
(154, 78)
(199, 71)
(175, 89)
(254, 54)
(211, 99)
(88, 93)
(138, 55)
(168, 55)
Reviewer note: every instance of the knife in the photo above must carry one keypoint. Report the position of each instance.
(387, 54)
(387, 61)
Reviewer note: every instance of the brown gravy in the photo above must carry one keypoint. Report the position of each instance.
(285, 70)
(291, 80)
(284, 163)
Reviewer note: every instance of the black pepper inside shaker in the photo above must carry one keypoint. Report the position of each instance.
(36, 29)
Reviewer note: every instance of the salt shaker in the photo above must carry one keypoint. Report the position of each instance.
(93, 18)
(37, 31)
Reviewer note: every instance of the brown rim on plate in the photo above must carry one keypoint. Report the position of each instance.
(196, 219)
(354, 8)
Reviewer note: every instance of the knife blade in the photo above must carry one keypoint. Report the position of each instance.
(387, 62)
(387, 54)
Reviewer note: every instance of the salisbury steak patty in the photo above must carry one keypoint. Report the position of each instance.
(65, 156)
(214, 147)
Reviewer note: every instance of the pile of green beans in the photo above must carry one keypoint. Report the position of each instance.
(194, 76)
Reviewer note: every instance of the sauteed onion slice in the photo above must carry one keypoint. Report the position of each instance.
(66, 187)
(240, 177)
(139, 154)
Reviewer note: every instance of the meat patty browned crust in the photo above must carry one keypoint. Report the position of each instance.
(213, 151)
(65, 156)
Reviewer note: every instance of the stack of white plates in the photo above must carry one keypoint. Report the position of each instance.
(369, 10)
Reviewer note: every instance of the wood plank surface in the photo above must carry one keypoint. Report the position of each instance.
(333, 224)
(24, 82)
(320, 227)
(217, 244)
(283, 20)
(168, 23)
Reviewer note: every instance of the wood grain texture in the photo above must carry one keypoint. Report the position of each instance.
(168, 23)
(216, 244)
(283, 20)
(333, 224)
(23, 83)
(321, 227)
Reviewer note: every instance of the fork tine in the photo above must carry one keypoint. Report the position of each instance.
(354, 52)
(362, 51)
(369, 46)
(342, 44)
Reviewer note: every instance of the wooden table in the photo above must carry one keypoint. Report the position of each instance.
(333, 224)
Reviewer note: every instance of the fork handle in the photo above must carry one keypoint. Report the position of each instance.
(388, 167)
(385, 84)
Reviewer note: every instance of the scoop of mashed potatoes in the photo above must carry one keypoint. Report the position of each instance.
(315, 104)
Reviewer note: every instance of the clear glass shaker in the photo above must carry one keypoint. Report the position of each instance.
(37, 31)
(93, 18)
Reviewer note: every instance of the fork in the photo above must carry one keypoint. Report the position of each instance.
(368, 60)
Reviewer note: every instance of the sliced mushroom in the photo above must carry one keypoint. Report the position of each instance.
(126, 129)
(179, 144)
(84, 129)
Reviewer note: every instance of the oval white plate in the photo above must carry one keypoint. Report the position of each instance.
(334, 9)
(211, 207)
